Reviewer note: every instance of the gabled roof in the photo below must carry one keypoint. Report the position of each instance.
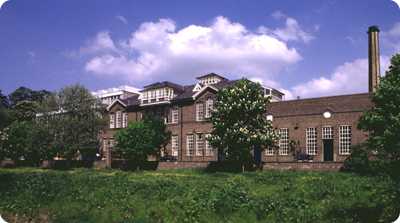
(211, 75)
(163, 84)
(114, 102)
(203, 89)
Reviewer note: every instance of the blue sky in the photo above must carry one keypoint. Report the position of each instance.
(306, 49)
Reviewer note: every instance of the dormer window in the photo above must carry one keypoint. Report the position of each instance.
(157, 95)
(210, 79)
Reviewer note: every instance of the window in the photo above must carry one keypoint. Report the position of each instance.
(344, 139)
(174, 145)
(189, 145)
(174, 115)
(112, 121)
(199, 112)
(283, 141)
(119, 119)
(327, 132)
(311, 141)
(209, 149)
(269, 151)
(209, 107)
(199, 144)
(124, 120)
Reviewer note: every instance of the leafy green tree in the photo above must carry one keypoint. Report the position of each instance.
(382, 122)
(4, 103)
(4, 111)
(26, 140)
(24, 111)
(74, 117)
(239, 122)
(142, 139)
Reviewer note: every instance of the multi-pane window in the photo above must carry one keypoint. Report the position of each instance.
(199, 112)
(118, 119)
(283, 141)
(311, 141)
(112, 121)
(269, 151)
(344, 139)
(209, 107)
(190, 145)
(209, 149)
(124, 120)
(174, 145)
(174, 115)
(199, 144)
(327, 132)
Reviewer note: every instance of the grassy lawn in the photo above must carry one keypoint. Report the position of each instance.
(110, 196)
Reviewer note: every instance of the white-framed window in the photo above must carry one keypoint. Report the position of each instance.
(269, 151)
(327, 132)
(199, 112)
(118, 119)
(174, 115)
(190, 145)
(199, 144)
(112, 121)
(209, 107)
(209, 151)
(174, 145)
(311, 141)
(344, 139)
(124, 120)
(283, 141)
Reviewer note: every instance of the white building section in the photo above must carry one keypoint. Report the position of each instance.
(107, 96)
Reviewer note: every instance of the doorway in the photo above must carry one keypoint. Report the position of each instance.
(328, 149)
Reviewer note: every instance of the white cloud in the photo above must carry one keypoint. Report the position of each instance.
(159, 50)
(391, 38)
(397, 2)
(101, 43)
(2, 2)
(292, 30)
(122, 19)
(350, 77)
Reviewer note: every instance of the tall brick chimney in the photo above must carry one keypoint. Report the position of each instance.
(373, 58)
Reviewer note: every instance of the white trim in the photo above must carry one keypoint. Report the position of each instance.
(115, 101)
(197, 88)
(155, 103)
(203, 89)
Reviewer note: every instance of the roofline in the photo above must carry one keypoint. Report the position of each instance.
(324, 97)
(115, 101)
(211, 74)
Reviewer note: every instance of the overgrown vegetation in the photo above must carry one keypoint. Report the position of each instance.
(193, 196)
(382, 123)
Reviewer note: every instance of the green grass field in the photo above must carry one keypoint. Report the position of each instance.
(83, 195)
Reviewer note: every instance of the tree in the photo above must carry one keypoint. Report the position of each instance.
(4, 103)
(4, 111)
(382, 122)
(74, 117)
(26, 140)
(239, 122)
(142, 139)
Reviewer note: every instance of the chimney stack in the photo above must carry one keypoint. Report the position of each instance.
(373, 58)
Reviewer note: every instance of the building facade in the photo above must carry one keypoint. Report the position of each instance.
(319, 130)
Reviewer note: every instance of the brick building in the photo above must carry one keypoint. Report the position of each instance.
(320, 131)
